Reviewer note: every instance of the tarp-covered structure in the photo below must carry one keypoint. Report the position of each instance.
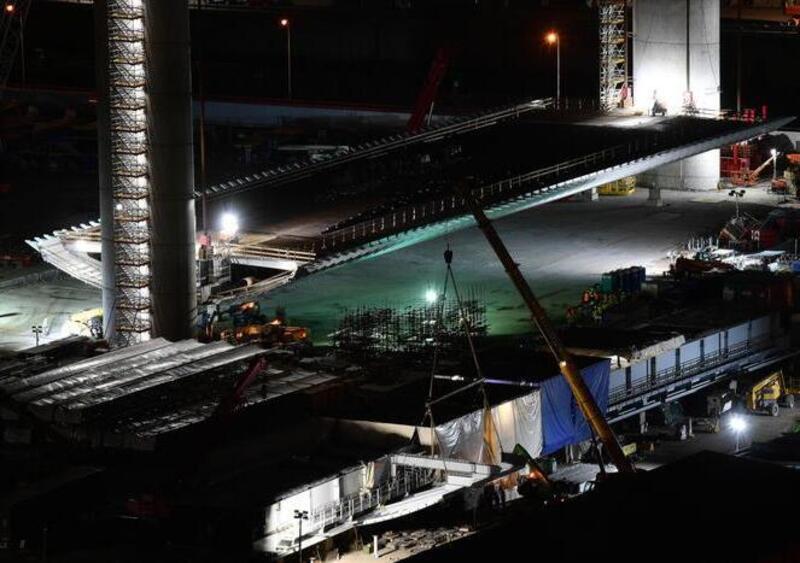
(563, 422)
(482, 434)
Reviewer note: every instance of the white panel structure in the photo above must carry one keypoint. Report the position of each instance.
(679, 76)
(638, 373)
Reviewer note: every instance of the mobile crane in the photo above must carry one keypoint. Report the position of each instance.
(566, 363)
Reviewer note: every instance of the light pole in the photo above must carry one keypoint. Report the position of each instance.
(300, 515)
(553, 38)
(11, 9)
(37, 330)
(736, 195)
(774, 154)
(738, 425)
(286, 24)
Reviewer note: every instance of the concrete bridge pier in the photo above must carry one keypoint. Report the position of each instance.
(676, 66)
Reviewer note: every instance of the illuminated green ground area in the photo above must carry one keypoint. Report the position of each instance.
(561, 247)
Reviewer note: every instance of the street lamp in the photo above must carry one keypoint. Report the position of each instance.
(774, 154)
(300, 515)
(736, 195)
(37, 330)
(11, 8)
(286, 24)
(553, 38)
(738, 425)
(431, 296)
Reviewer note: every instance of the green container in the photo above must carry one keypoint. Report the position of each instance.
(607, 282)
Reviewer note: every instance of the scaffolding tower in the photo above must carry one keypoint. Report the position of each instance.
(613, 53)
(370, 331)
(12, 26)
(129, 169)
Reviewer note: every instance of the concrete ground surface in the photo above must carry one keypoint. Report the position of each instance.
(759, 428)
(48, 304)
(562, 248)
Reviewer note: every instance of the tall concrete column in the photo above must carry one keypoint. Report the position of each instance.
(103, 165)
(676, 53)
(169, 114)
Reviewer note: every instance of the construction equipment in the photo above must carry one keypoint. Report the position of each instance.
(228, 405)
(423, 108)
(792, 9)
(569, 369)
(750, 178)
(767, 395)
(244, 323)
(706, 414)
(790, 182)
(272, 333)
(625, 186)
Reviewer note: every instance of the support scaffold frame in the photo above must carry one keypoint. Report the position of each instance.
(613, 52)
(129, 169)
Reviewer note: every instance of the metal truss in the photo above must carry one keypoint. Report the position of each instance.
(12, 24)
(129, 169)
(613, 52)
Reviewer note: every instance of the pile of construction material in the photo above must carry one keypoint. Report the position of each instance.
(378, 330)
(615, 287)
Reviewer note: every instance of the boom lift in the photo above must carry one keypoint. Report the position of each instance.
(751, 178)
(766, 395)
(566, 362)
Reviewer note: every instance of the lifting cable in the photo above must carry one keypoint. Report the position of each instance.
(463, 319)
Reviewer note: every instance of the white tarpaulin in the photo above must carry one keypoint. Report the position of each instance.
(520, 422)
(516, 422)
(462, 438)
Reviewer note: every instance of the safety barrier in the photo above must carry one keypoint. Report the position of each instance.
(407, 481)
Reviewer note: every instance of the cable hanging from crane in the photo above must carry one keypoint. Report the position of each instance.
(490, 434)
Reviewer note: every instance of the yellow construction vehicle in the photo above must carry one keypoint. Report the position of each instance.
(767, 395)
(625, 186)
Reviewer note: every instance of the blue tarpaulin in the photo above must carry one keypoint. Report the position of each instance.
(562, 420)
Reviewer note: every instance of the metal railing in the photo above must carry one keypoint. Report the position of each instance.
(305, 168)
(688, 369)
(544, 180)
(263, 286)
(258, 251)
(406, 482)
(548, 178)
